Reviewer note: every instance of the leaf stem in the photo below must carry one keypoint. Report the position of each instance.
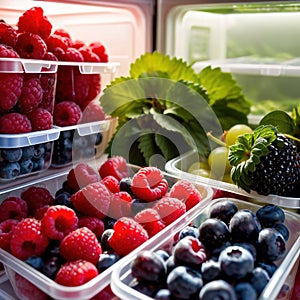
(292, 137)
(216, 140)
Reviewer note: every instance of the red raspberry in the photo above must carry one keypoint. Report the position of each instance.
(41, 119)
(14, 123)
(92, 200)
(149, 184)
(78, 44)
(33, 20)
(81, 175)
(55, 42)
(40, 212)
(13, 208)
(66, 113)
(81, 88)
(100, 50)
(111, 183)
(6, 232)
(8, 35)
(71, 54)
(30, 45)
(93, 112)
(52, 57)
(27, 289)
(94, 224)
(27, 239)
(169, 209)
(81, 243)
(88, 54)
(150, 219)
(186, 192)
(58, 222)
(120, 205)
(6, 51)
(62, 32)
(75, 273)
(36, 197)
(127, 236)
(115, 166)
(31, 95)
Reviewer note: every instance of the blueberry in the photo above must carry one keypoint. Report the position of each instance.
(67, 145)
(63, 199)
(184, 282)
(149, 267)
(244, 226)
(210, 270)
(109, 222)
(271, 245)
(39, 151)
(144, 288)
(170, 264)
(52, 266)
(12, 155)
(217, 289)
(213, 233)
(269, 267)
(223, 210)
(9, 170)
(99, 139)
(269, 215)
(38, 164)
(250, 247)
(189, 252)
(236, 262)
(36, 262)
(189, 231)
(27, 152)
(163, 254)
(26, 166)
(67, 134)
(125, 185)
(137, 205)
(245, 291)
(259, 278)
(106, 260)
(280, 227)
(163, 294)
(104, 239)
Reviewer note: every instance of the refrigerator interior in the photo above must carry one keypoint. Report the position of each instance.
(256, 41)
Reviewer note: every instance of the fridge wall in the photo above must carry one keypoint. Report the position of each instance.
(257, 41)
(124, 27)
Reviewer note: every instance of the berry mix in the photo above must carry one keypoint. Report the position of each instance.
(27, 102)
(230, 254)
(94, 219)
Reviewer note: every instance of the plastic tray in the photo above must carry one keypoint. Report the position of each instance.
(13, 265)
(179, 166)
(82, 142)
(284, 275)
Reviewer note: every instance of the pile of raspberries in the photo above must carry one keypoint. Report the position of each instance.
(27, 100)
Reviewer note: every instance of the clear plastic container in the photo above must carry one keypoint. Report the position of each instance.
(26, 154)
(179, 166)
(49, 288)
(279, 286)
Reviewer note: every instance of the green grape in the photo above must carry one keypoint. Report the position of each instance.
(233, 133)
(198, 165)
(218, 161)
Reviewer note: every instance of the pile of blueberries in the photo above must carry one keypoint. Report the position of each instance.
(71, 147)
(231, 255)
(16, 162)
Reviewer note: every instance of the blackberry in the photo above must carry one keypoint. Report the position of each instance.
(265, 161)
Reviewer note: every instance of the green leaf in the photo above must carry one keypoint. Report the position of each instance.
(147, 146)
(166, 146)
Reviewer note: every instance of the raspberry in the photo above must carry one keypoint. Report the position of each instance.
(93, 112)
(88, 54)
(120, 205)
(78, 44)
(36, 197)
(75, 273)
(111, 183)
(30, 45)
(71, 54)
(100, 50)
(14, 123)
(8, 35)
(81, 243)
(66, 113)
(150, 219)
(58, 222)
(127, 236)
(55, 42)
(41, 119)
(31, 95)
(6, 51)
(92, 200)
(40, 212)
(27, 289)
(94, 224)
(94, 86)
(62, 32)
(169, 209)
(149, 184)
(186, 192)
(13, 208)
(33, 20)
(6, 232)
(81, 175)
(115, 166)
(28, 240)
